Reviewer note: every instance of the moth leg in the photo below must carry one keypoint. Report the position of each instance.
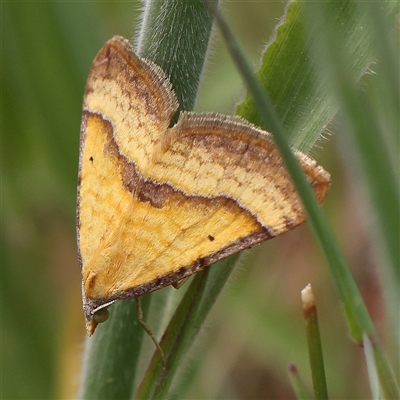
(148, 330)
(179, 284)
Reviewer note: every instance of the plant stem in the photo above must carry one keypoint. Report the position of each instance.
(175, 35)
(314, 344)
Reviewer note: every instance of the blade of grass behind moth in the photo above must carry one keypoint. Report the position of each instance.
(155, 371)
(357, 314)
(175, 35)
(217, 277)
(183, 328)
(110, 360)
(179, 343)
(361, 120)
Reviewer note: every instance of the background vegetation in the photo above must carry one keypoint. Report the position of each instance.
(256, 327)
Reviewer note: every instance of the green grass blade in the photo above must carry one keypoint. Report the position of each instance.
(181, 54)
(190, 318)
(314, 343)
(156, 380)
(111, 355)
(175, 35)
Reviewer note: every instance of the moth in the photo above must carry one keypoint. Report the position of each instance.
(158, 203)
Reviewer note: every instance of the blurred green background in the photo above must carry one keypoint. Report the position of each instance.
(256, 328)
